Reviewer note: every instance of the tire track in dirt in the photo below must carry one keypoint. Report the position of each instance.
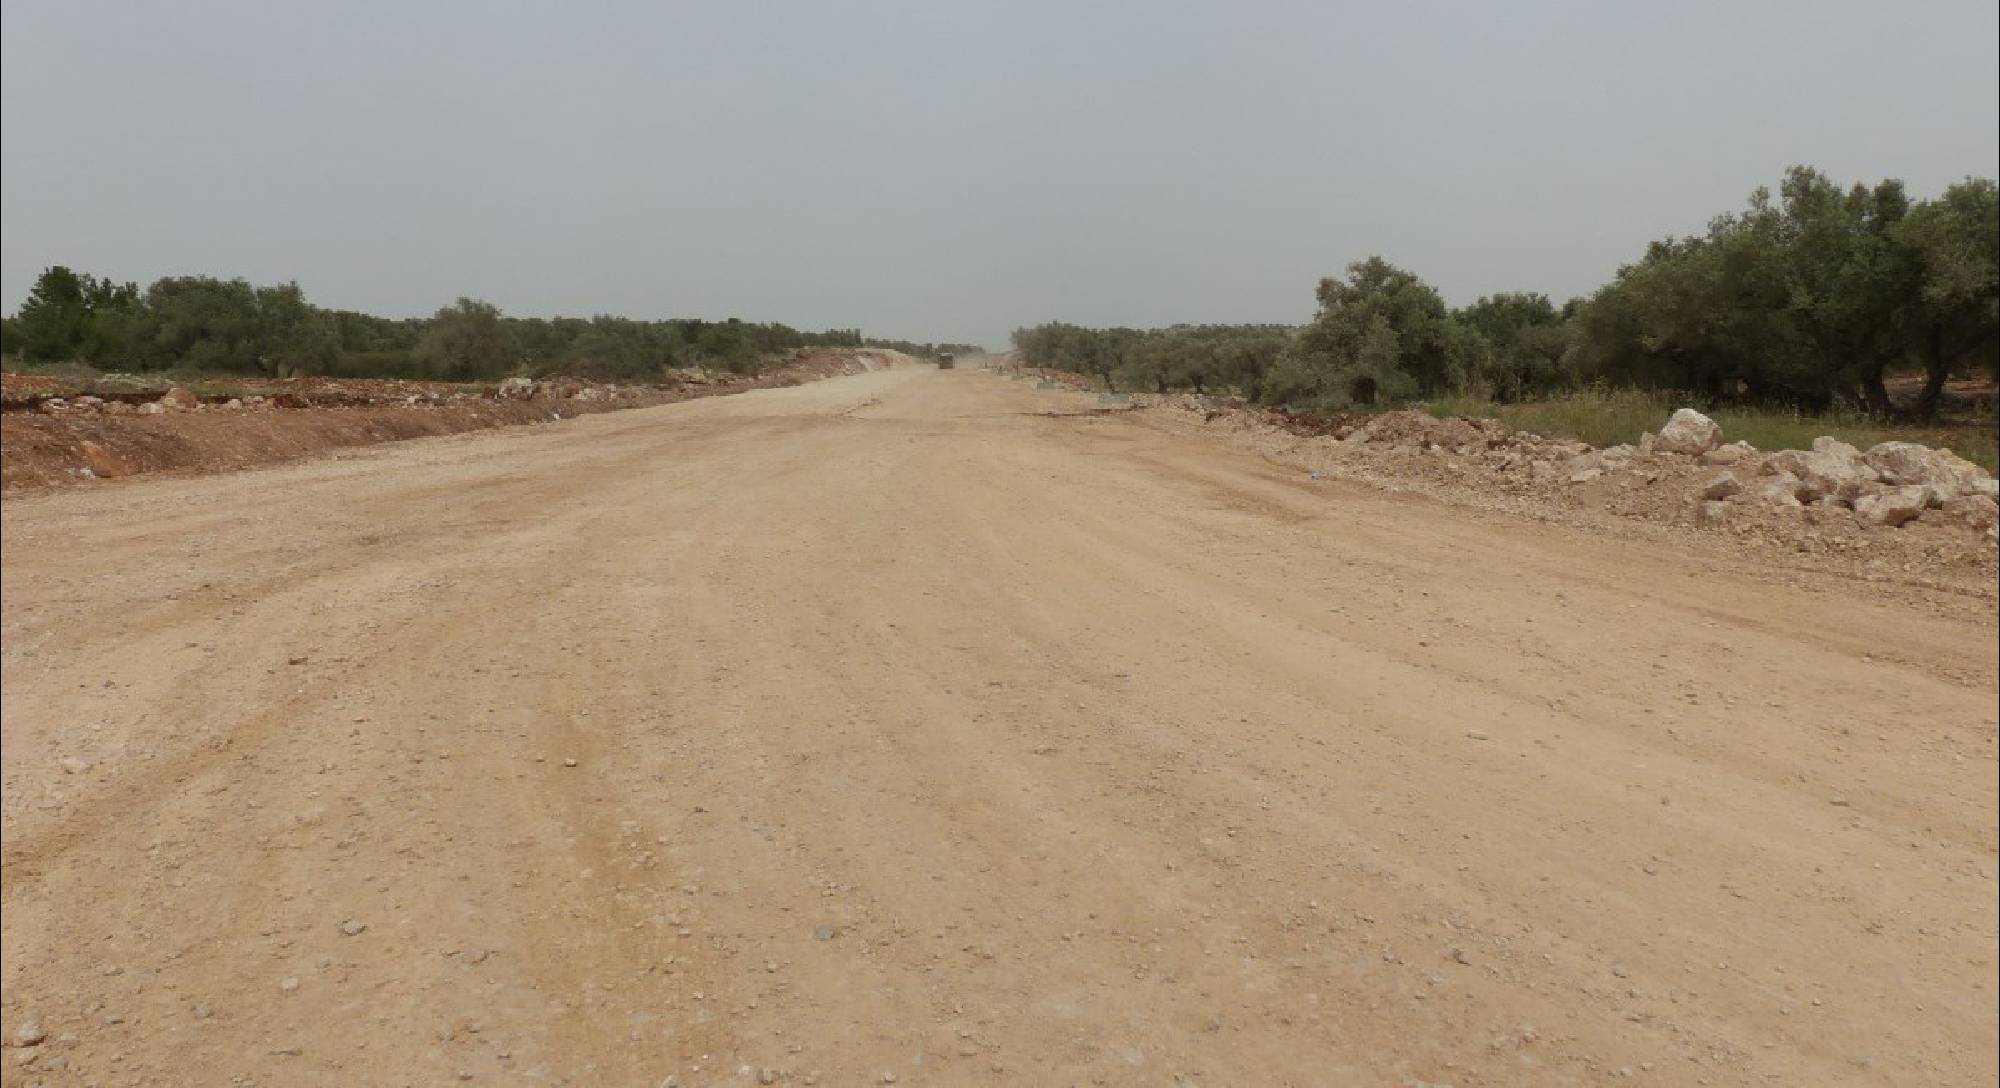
(917, 732)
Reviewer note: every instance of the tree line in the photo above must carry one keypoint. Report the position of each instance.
(1807, 298)
(925, 350)
(229, 326)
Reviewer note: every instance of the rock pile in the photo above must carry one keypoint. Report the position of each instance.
(519, 388)
(1891, 484)
(1684, 473)
(175, 399)
(1888, 485)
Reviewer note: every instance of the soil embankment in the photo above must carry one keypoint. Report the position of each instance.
(55, 435)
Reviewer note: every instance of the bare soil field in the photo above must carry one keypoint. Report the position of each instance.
(922, 727)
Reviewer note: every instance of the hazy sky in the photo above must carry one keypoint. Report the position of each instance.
(943, 170)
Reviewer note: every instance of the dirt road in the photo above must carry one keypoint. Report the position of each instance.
(884, 727)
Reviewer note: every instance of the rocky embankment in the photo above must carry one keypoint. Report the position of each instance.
(1888, 485)
(1897, 510)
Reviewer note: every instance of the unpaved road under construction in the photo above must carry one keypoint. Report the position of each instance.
(890, 727)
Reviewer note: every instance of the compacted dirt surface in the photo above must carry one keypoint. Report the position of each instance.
(919, 727)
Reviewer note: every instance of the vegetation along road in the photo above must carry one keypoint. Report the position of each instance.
(894, 729)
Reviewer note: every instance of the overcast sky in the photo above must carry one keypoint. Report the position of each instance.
(943, 170)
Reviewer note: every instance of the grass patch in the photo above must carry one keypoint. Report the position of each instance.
(1606, 417)
(81, 375)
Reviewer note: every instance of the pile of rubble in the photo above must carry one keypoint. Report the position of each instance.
(568, 389)
(1891, 484)
(1930, 504)
(175, 399)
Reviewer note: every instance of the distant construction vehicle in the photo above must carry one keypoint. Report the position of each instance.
(945, 360)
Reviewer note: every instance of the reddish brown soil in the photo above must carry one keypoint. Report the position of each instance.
(43, 451)
(306, 416)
